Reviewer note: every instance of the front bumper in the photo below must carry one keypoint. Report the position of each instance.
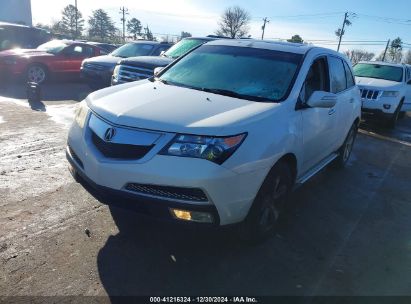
(229, 194)
(101, 78)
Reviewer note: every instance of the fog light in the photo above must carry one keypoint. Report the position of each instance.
(193, 216)
(387, 106)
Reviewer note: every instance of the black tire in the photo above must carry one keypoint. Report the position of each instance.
(344, 152)
(37, 73)
(392, 121)
(268, 205)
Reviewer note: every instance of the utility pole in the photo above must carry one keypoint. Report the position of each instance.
(265, 20)
(342, 30)
(75, 3)
(386, 49)
(124, 11)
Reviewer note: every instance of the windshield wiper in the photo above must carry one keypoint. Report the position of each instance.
(234, 94)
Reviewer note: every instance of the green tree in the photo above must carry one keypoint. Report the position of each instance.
(296, 39)
(234, 22)
(148, 35)
(134, 27)
(72, 22)
(185, 35)
(395, 50)
(101, 26)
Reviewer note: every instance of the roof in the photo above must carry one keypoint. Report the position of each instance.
(298, 48)
(400, 65)
(148, 42)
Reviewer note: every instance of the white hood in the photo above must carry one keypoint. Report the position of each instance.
(168, 108)
(378, 83)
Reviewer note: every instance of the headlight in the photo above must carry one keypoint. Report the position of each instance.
(390, 94)
(116, 71)
(215, 149)
(81, 114)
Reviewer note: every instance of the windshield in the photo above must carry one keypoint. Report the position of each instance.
(247, 73)
(52, 47)
(183, 47)
(133, 50)
(378, 71)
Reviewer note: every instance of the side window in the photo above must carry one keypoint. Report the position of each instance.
(88, 51)
(349, 76)
(337, 72)
(78, 50)
(317, 79)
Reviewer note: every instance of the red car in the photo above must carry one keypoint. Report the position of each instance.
(55, 58)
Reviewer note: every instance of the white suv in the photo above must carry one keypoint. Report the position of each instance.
(223, 134)
(385, 90)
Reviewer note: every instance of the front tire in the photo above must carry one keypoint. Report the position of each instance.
(36, 73)
(392, 121)
(269, 203)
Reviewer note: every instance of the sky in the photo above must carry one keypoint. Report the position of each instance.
(375, 21)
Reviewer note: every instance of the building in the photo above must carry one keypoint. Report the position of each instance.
(16, 11)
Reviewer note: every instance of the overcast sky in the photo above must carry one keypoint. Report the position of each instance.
(313, 20)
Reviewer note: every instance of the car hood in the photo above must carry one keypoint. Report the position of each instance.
(106, 60)
(24, 53)
(156, 106)
(375, 82)
(148, 62)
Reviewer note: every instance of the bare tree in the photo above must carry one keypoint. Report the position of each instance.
(234, 22)
(407, 58)
(359, 55)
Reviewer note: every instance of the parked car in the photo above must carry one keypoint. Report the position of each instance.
(223, 134)
(20, 36)
(106, 48)
(137, 68)
(385, 90)
(57, 57)
(97, 71)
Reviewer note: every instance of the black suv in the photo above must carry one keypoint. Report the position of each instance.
(97, 71)
(137, 68)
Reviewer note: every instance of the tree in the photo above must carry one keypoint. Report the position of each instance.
(359, 55)
(185, 35)
(407, 58)
(72, 22)
(101, 26)
(234, 22)
(134, 27)
(296, 39)
(395, 50)
(148, 35)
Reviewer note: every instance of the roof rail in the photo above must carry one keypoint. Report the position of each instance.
(218, 36)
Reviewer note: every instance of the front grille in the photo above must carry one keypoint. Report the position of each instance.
(94, 66)
(129, 73)
(120, 151)
(184, 194)
(369, 94)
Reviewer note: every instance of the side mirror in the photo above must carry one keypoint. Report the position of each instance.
(158, 70)
(321, 99)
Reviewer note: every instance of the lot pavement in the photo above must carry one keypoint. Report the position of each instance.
(349, 231)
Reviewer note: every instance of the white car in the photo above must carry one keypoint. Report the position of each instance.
(385, 90)
(223, 134)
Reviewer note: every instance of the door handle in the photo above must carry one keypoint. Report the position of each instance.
(331, 111)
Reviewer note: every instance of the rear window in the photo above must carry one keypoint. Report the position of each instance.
(133, 50)
(21, 37)
(378, 71)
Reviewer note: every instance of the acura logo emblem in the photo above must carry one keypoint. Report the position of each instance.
(109, 134)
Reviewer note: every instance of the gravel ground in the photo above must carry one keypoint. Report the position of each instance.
(348, 233)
